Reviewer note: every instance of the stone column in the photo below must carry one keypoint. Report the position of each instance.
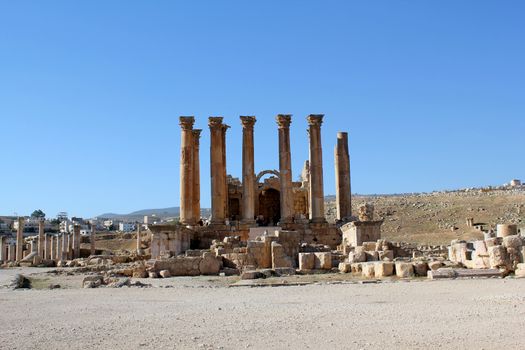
(2, 249)
(196, 175)
(11, 252)
(19, 239)
(343, 194)
(225, 173)
(92, 239)
(316, 169)
(139, 242)
(285, 168)
(47, 247)
(248, 170)
(41, 238)
(68, 240)
(76, 242)
(186, 171)
(218, 170)
(58, 250)
(52, 249)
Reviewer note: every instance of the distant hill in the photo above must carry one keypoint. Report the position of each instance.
(139, 214)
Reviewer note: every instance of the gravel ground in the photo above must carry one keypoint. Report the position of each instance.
(196, 314)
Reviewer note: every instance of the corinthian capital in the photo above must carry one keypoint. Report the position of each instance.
(284, 120)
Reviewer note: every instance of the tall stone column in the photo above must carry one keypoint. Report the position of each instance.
(196, 175)
(343, 194)
(92, 239)
(11, 252)
(58, 250)
(19, 239)
(285, 168)
(76, 242)
(218, 170)
(52, 249)
(186, 171)
(47, 247)
(139, 239)
(316, 169)
(41, 238)
(225, 203)
(248, 170)
(2, 249)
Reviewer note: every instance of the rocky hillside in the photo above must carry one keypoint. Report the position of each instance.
(430, 218)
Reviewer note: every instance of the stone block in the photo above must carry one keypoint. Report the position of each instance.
(404, 269)
(369, 246)
(383, 269)
(357, 256)
(306, 261)
(210, 264)
(165, 273)
(323, 261)
(368, 270)
(386, 255)
(284, 271)
(512, 242)
(372, 255)
(345, 267)
(491, 242)
(498, 257)
(251, 275)
(357, 267)
(420, 268)
(279, 257)
(434, 265)
(480, 247)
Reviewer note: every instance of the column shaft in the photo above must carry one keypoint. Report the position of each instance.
(343, 192)
(217, 170)
(285, 168)
(316, 169)
(2, 249)
(92, 239)
(41, 238)
(248, 170)
(19, 239)
(186, 173)
(196, 175)
(76, 242)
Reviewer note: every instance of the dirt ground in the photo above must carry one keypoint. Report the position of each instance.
(204, 313)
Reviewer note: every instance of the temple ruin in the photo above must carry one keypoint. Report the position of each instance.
(250, 206)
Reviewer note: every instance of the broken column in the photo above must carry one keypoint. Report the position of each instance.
(316, 169)
(186, 171)
(196, 175)
(248, 170)
(285, 168)
(41, 238)
(76, 242)
(343, 196)
(218, 170)
(19, 239)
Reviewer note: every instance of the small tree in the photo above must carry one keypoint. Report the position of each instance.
(38, 214)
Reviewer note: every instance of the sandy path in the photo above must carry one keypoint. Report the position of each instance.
(475, 314)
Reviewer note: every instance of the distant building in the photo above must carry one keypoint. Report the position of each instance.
(515, 183)
(150, 220)
(126, 227)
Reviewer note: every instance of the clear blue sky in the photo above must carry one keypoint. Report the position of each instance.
(432, 94)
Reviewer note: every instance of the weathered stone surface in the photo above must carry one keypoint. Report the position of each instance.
(404, 269)
(323, 261)
(357, 267)
(165, 273)
(357, 256)
(386, 255)
(383, 269)
(92, 281)
(369, 246)
(469, 273)
(345, 267)
(368, 269)
(498, 257)
(306, 261)
(520, 270)
(420, 268)
(210, 264)
(279, 257)
(251, 275)
(153, 274)
(284, 271)
(372, 255)
(480, 247)
(512, 242)
(140, 272)
(434, 265)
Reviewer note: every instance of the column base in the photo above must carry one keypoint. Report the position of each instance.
(318, 221)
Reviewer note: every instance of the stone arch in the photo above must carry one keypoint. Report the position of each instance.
(266, 172)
